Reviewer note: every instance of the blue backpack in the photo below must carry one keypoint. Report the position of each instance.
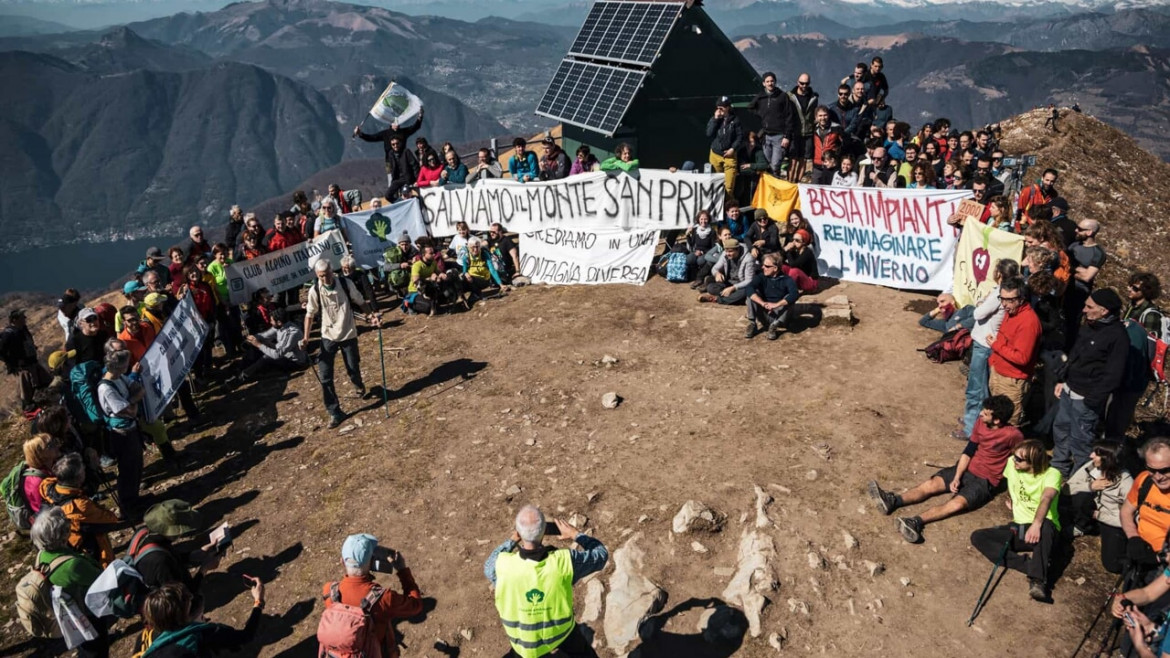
(676, 267)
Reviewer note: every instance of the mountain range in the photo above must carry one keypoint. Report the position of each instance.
(145, 128)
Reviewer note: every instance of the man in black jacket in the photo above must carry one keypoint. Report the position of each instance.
(19, 354)
(1095, 368)
(778, 119)
(726, 135)
(401, 165)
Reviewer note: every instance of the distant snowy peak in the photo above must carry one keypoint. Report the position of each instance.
(1068, 5)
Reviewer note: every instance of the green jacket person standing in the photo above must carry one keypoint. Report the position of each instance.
(534, 586)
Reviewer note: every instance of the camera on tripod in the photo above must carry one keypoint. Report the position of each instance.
(1023, 161)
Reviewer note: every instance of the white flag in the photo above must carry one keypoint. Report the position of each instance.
(396, 105)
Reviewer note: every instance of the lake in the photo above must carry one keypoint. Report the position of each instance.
(81, 266)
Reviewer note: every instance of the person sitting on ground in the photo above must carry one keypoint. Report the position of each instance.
(358, 586)
(486, 167)
(505, 251)
(359, 278)
(458, 241)
(700, 238)
(763, 235)
(973, 480)
(179, 629)
(157, 558)
(89, 521)
(732, 273)
(622, 160)
(278, 347)
(798, 254)
(397, 262)
(524, 563)
(1034, 487)
(74, 572)
(796, 222)
(772, 297)
(822, 174)
(1098, 490)
(733, 220)
(259, 314)
(555, 164)
(584, 162)
(425, 290)
(703, 276)
(479, 272)
(41, 452)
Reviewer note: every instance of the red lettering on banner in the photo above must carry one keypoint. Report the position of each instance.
(918, 215)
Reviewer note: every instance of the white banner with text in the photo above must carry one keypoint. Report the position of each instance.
(609, 255)
(654, 200)
(888, 237)
(285, 269)
(170, 357)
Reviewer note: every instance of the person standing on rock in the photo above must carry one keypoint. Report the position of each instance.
(334, 299)
(534, 586)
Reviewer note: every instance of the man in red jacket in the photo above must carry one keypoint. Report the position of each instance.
(1014, 346)
(358, 556)
(1040, 193)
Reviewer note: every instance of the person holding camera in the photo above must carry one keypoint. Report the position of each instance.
(360, 554)
(534, 585)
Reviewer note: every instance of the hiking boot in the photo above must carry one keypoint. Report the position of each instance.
(360, 392)
(1077, 532)
(336, 420)
(774, 331)
(1036, 590)
(911, 529)
(959, 435)
(695, 285)
(707, 298)
(885, 501)
(750, 332)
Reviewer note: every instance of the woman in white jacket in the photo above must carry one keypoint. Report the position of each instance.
(1098, 489)
(988, 316)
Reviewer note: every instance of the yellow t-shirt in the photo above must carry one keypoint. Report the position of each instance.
(477, 267)
(1026, 490)
(420, 271)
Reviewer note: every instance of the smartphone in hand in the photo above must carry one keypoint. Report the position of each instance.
(383, 560)
(551, 529)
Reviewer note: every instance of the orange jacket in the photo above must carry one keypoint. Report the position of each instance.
(391, 606)
(87, 520)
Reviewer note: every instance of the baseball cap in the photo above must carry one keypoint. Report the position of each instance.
(730, 243)
(131, 287)
(59, 357)
(172, 518)
(358, 549)
(723, 101)
(154, 299)
(154, 252)
(86, 313)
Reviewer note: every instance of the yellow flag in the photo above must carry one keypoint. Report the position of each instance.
(980, 249)
(777, 196)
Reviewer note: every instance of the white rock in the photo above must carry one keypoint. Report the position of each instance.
(694, 516)
(467, 634)
(776, 640)
(905, 581)
(811, 475)
(815, 561)
(698, 548)
(798, 607)
(611, 400)
(594, 591)
(609, 360)
(762, 500)
(850, 540)
(755, 577)
(874, 568)
(512, 490)
(632, 597)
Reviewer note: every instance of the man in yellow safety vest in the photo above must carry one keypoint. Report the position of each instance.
(534, 586)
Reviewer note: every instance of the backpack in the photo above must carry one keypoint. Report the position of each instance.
(353, 198)
(12, 490)
(676, 267)
(1158, 344)
(951, 347)
(120, 590)
(347, 631)
(398, 276)
(34, 599)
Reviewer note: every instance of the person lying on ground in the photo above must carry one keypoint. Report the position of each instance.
(1034, 487)
(772, 298)
(971, 482)
(1098, 490)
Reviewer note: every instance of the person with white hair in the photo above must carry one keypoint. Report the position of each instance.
(479, 270)
(68, 569)
(198, 246)
(534, 585)
(334, 299)
(358, 554)
(358, 276)
(329, 219)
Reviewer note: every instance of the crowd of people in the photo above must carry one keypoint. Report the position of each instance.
(1055, 360)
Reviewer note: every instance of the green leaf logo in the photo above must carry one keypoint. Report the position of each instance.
(378, 226)
(534, 596)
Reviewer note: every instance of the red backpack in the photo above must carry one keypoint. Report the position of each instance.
(951, 347)
(347, 631)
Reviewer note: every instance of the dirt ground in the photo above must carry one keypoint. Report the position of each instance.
(510, 394)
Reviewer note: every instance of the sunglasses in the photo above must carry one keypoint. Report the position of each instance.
(802, 84)
(1008, 299)
(842, 93)
(1158, 471)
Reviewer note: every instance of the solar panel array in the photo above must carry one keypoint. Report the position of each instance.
(627, 32)
(590, 95)
(607, 63)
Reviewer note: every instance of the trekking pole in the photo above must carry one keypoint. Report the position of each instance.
(382, 357)
(1104, 606)
(994, 568)
(1114, 631)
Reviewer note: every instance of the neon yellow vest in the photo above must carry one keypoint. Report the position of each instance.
(535, 601)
